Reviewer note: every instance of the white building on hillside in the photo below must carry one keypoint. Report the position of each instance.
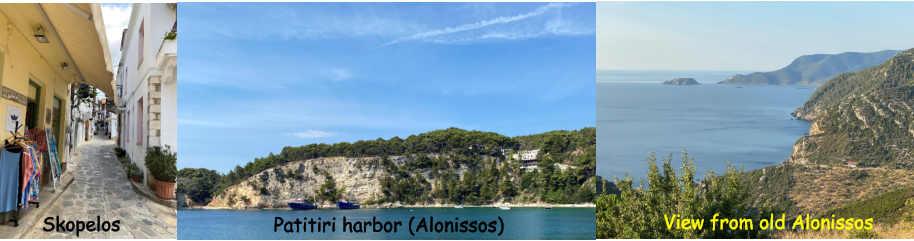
(527, 158)
(147, 82)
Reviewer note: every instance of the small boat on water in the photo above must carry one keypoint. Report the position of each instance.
(344, 203)
(301, 204)
(505, 208)
(739, 87)
(458, 206)
(548, 208)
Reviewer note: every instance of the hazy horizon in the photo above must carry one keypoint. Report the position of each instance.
(733, 36)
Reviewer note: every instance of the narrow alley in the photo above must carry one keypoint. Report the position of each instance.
(101, 189)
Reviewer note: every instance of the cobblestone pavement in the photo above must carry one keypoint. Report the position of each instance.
(101, 190)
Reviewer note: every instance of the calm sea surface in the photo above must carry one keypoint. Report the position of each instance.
(749, 126)
(520, 223)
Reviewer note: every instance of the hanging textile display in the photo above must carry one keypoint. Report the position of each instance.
(20, 171)
(32, 157)
(52, 154)
(40, 137)
(9, 179)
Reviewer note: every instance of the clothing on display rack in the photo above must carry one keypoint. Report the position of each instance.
(20, 169)
(52, 154)
(9, 179)
(33, 159)
(40, 137)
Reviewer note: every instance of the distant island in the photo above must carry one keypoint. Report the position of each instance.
(814, 69)
(681, 81)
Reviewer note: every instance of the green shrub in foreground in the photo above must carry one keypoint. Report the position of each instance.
(638, 212)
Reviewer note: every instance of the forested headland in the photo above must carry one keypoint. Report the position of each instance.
(453, 166)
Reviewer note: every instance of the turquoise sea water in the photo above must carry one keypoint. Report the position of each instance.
(519, 223)
(749, 126)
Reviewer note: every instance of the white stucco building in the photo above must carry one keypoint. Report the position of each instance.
(526, 155)
(82, 125)
(527, 159)
(111, 119)
(147, 82)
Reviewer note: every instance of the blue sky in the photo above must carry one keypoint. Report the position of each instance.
(761, 36)
(258, 77)
(116, 17)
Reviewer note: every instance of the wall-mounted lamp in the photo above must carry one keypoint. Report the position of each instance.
(39, 35)
(64, 66)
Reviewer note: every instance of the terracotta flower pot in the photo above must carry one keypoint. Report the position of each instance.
(137, 178)
(165, 190)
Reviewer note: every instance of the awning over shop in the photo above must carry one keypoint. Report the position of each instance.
(80, 28)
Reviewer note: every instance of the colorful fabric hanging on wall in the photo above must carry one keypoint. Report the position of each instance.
(40, 139)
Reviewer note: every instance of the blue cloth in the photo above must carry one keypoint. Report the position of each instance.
(9, 180)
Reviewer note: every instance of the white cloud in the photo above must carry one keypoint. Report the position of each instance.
(204, 123)
(389, 23)
(485, 23)
(314, 22)
(116, 19)
(314, 134)
(339, 74)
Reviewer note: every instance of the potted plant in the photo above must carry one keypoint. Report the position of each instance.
(136, 173)
(119, 152)
(163, 164)
(126, 161)
(173, 34)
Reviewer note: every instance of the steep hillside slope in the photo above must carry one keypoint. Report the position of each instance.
(896, 72)
(875, 129)
(800, 189)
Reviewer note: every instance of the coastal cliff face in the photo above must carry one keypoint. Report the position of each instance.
(875, 129)
(681, 81)
(356, 174)
(361, 176)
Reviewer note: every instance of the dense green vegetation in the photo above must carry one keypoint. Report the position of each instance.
(328, 190)
(605, 187)
(638, 213)
(489, 175)
(876, 129)
(199, 184)
(814, 69)
(908, 213)
(559, 141)
(773, 188)
(488, 179)
(895, 72)
(885, 208)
